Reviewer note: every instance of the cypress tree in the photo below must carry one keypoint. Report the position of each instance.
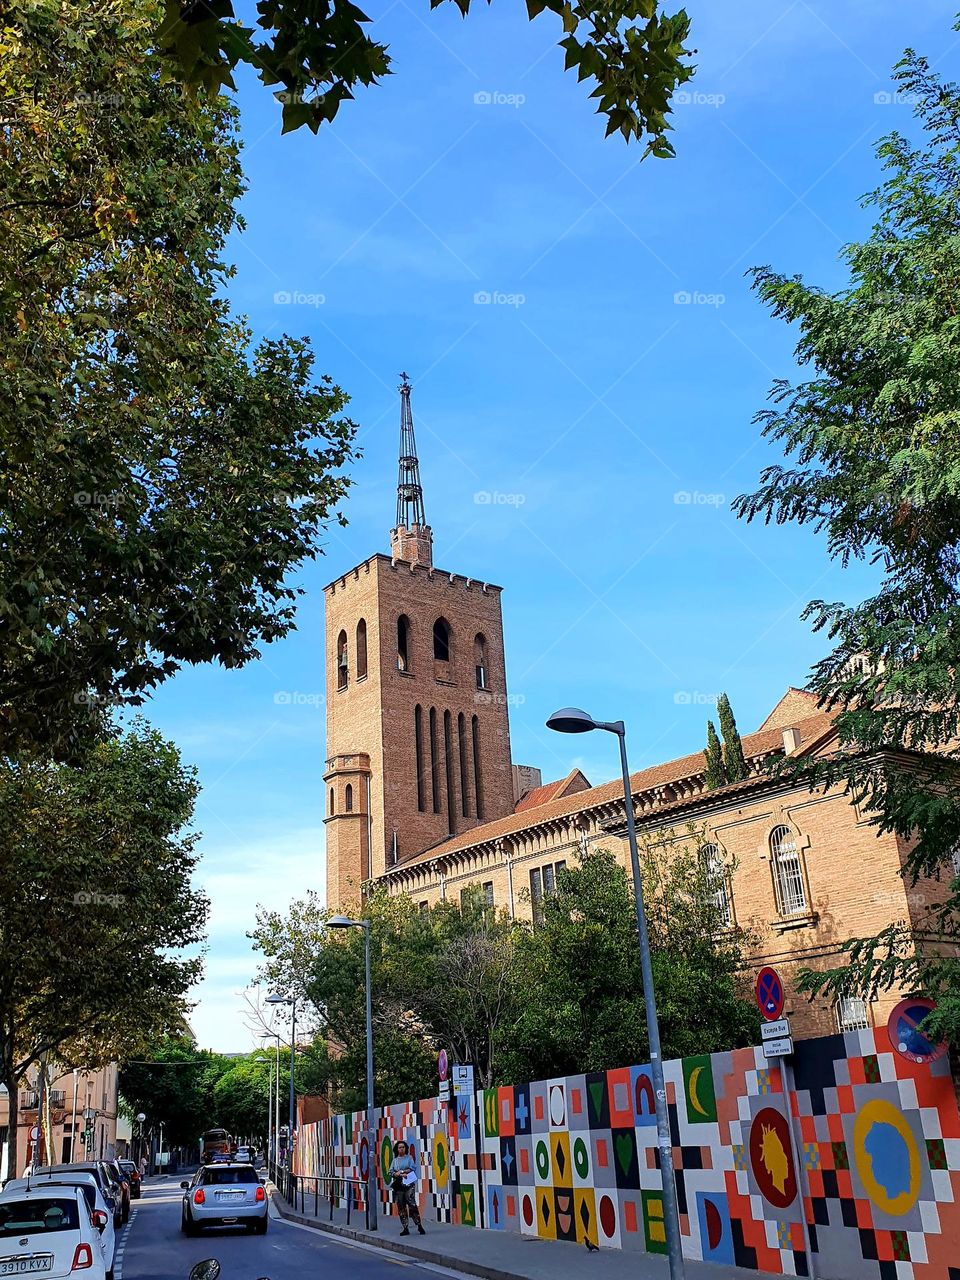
(734, 764)
(716, 773)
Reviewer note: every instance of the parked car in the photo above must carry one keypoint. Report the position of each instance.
(244, 1155)
(224, 1195)
(43, 1180)
(50, 1230)
(132, 1175)
(108, 1184)
(115, 1173)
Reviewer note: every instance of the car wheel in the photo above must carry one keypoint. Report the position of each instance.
(187, 1227)
(126, 1214)
(110, 1274)
(261, 1227)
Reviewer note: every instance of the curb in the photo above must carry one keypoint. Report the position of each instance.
(388, 1245)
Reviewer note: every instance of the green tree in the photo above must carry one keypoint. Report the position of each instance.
(173, 1084)
(578, 990)
(241, 1097)
(716, 774)
(734, 764)
(633, 51)
(94, 871)
(875, 430)
(163, 478)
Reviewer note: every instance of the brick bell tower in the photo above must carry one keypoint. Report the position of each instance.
(418, 737)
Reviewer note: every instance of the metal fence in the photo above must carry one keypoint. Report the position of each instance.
(303, 1192)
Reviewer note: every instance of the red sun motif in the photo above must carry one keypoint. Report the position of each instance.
(714, 1224)
(528, 1211)
(608, 1217)
(771, 1158)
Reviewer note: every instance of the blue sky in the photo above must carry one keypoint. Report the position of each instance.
(562, 423)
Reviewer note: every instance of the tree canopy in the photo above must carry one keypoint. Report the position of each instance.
(96, 904)
(163, 477)
(874, 434)
(633, 51)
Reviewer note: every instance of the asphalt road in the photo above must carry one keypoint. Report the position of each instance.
(152, 1247)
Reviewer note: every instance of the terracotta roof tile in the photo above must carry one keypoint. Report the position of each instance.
(549, 791)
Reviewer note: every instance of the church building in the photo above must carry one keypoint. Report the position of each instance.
(423, 798)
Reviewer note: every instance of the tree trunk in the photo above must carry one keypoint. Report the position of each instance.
(8, 1077)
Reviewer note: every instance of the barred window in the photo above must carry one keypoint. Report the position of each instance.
(852, 1014)
(719, 893)
(342, 660)
(788, 877)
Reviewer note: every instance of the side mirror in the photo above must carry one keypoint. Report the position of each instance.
(100, 1219)
(209, 1269)
(185, 1185)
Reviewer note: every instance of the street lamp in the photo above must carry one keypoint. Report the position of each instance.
(272, 1137)
(344, 922)
(140, 1118)
(292, 1001)
(573, 720)
(263, 1058)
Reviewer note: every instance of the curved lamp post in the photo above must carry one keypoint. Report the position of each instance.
(292, 1001)
(344, 922)
(573, 720)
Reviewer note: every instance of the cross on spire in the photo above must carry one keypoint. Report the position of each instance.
(409, 490)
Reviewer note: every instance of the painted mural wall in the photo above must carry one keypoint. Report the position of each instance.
(860, 1163)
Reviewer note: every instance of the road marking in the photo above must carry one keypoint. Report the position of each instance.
(121, 1245)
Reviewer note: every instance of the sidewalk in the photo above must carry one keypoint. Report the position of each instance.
(504, 1255)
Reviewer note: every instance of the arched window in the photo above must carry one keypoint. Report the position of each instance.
(441, 640)
(332, 806)
(348, 798)
(342, 660)
(361, 649)
(788, 878)
(403, 643)
(434, 763)
(462, 747)
(719, 887)
(448, 772)
(477, 776)
(480, 659)
(418, 743)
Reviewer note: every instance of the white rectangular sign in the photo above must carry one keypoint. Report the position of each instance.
(775, 1030)
(444, 1094)
(463, 1081)
(778, 1048)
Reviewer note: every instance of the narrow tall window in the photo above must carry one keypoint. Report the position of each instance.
(719, 887)
(361, 649)
(434, 763)
(787, 872)
(852, 1014)
(348, 798)
(536, 894)
(331, 800)
(448, 772)
(477, 774)
(462, 747)
(441, 640)
(342, 660)
(403, 643)
(488, 894)
(549, 879)
(480, 659)
(418, 740)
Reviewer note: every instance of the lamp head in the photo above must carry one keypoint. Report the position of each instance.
(275, 999)
(571, 720)
(343, 922)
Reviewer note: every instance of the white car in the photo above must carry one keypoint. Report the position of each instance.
(87, 1183)
(49, 1232)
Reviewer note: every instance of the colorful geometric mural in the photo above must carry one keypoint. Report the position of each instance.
(859, 1163)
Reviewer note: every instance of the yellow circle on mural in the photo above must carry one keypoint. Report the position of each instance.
(887, 1158)
(441, 1161)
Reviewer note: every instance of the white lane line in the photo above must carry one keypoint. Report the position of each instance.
(121, 1246)
(329, 1238)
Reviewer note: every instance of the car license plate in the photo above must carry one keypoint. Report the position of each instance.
(27, 1266)
(231, 1195)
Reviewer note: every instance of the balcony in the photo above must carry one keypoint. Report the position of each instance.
(30, 1099)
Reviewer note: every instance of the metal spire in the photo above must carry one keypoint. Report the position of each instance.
(409, 491)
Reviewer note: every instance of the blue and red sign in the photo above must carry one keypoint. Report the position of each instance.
(902, 1026)
(770, 993)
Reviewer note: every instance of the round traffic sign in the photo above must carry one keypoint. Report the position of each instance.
(902, 1026)
(34, 1133)
(443, 1064)
(770, 993)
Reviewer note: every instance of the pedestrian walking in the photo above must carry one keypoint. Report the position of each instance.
(403, 1173)
(143, 1166)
